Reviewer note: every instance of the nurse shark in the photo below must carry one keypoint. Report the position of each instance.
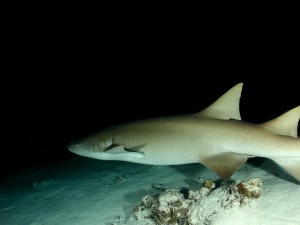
(215, 137)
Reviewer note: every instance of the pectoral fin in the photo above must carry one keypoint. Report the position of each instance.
(120, 152)
(225, 164)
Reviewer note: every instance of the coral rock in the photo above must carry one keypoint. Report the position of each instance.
(173, 207)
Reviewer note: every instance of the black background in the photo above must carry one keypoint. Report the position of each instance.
(72, 72)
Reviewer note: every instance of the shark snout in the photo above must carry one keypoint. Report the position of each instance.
(91, 146)
(73, 147)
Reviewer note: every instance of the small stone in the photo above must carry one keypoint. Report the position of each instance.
(209, 184)
(251, 188)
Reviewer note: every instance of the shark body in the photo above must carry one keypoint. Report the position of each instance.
(215, 137)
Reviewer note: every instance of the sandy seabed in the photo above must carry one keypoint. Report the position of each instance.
(88, 191)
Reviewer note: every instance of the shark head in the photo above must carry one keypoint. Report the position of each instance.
(92, 147)
(101, 146)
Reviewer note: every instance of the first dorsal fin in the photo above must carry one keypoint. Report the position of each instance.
(286, 124)
(227, 106)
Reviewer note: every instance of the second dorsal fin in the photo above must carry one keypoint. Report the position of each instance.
(286, 124)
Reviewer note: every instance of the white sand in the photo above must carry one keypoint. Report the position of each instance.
(87, 191)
